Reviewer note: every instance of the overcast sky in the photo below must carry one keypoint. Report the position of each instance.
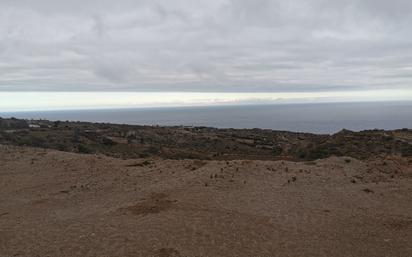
(205, 45)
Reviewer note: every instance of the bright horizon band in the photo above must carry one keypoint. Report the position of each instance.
(33, 101)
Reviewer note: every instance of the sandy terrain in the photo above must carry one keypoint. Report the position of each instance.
(65, 204)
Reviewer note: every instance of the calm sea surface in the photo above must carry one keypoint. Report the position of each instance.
(316, 118)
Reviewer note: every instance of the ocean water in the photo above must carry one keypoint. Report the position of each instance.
(324, 118)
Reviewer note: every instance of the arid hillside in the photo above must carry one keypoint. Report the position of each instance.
(127, 141)
(55, 203)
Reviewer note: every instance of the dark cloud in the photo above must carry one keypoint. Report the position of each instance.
(221, 45)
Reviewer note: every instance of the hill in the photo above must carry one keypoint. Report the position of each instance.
(129, 141)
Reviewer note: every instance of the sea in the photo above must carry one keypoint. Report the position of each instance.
(320, 118)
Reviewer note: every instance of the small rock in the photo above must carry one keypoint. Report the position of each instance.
(367, 190)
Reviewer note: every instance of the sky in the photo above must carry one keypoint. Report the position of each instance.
(43, 101)
(315, 47)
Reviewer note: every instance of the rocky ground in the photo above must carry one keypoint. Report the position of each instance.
(55, 203)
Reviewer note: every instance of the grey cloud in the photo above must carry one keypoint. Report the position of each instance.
(220, 45)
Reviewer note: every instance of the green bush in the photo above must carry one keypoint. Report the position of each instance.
(83, 149)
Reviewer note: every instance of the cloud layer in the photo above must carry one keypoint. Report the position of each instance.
(205, 45)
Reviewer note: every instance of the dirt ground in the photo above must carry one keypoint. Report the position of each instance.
(64, 204)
